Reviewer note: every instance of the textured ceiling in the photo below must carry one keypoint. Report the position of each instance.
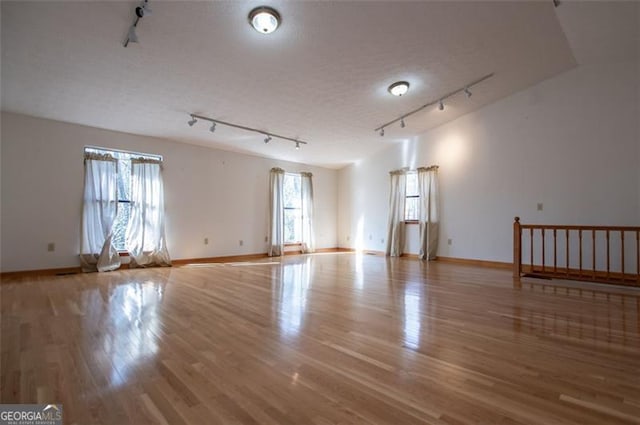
(321, 77)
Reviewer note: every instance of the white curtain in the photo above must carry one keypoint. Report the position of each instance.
(308, 240)
(395, 234)
(100, 208)
(276, 212)
(146, 241)
(429, 217)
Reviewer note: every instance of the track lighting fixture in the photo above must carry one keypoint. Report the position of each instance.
(466, 89)
(140, 12)
(264, 19)
(269, 136)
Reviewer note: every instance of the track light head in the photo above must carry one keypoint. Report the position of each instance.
(441, 106)
(132, 36)
(402, 124)
(382, 132)
(213, 127)
(267, 139)
(297, 146)
(467, 92)
(192, 121)
(146, 9)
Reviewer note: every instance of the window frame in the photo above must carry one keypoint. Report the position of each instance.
(130, 155)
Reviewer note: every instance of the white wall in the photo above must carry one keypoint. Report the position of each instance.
(571, 142)
(208, 193)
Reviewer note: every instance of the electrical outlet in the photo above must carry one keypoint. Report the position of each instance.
(449, 241)
(241, 242)
(540, 206)
(266, 238)
(206, 241)
(370, 237)
(382, 240)
(51, 246)
(348, 238)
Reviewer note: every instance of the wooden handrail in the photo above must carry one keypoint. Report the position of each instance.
(579, 227)
(608, 271)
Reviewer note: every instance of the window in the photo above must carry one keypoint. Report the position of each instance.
(124, 191)
(413, 197)
(292, 189)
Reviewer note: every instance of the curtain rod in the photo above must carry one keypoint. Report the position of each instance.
(148, 155)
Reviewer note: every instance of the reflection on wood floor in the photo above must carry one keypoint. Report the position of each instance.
(324, 339)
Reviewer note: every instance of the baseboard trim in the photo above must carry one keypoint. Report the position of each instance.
(477, 263)
(41, 272)
(178, 262)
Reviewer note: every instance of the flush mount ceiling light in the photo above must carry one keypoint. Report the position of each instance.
(398, 88)
(264, 19)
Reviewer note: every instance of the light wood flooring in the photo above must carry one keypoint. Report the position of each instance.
(324, 339)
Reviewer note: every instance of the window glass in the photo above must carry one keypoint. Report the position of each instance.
(292, 189)
(412, 201)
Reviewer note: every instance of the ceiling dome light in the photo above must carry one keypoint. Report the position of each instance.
(398, 88)
(264, 19)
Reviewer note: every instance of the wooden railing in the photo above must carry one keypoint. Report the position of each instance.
(606, 254)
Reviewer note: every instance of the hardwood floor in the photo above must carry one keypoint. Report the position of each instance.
(324, 339)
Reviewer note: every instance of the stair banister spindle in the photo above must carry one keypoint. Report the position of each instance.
(593, 252)
(555, 250)
(580, 245)
(566, 238)
(542, 249)
(622, 252)
(608, 258)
